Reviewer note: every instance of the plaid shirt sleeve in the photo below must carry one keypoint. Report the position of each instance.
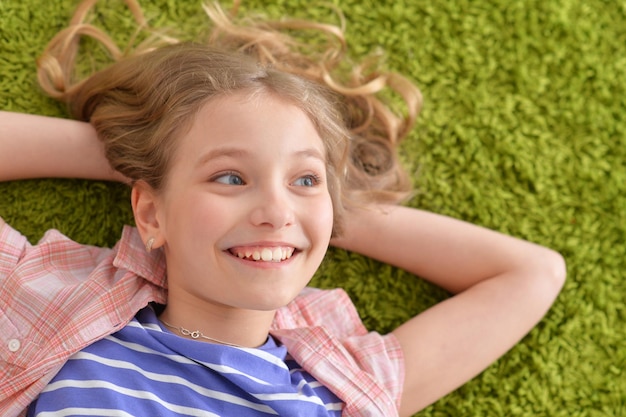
(324, 334)
(12, 248)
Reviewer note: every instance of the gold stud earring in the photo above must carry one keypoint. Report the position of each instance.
(149, 244)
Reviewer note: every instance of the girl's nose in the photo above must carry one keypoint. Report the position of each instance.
(273, 208)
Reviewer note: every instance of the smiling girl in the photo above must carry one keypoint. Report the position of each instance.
(244, 167)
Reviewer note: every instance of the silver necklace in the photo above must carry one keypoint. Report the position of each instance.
(197, 334)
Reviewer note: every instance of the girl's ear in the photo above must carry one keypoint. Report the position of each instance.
(145, 209)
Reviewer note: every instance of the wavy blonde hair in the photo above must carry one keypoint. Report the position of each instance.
(149, 96)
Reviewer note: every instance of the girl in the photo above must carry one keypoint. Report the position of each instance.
(244, 166)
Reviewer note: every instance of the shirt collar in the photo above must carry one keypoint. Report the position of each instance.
(132, 256)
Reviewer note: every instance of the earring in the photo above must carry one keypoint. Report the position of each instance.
(149, 244)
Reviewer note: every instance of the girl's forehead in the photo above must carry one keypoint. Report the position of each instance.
(241, 122)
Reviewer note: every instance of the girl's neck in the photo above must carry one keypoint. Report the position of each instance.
(220, 323)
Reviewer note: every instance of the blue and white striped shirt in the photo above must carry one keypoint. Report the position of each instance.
(145, 370)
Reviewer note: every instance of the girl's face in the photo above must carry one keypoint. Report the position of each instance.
(246, 215)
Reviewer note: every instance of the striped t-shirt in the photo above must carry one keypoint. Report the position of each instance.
(145, 370)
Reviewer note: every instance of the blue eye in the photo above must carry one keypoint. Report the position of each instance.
(229, 179)
(307, 181)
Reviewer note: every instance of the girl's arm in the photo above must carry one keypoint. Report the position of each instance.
(503, 286)
(38, 147)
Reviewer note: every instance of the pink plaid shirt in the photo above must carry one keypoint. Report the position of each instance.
(59, 296)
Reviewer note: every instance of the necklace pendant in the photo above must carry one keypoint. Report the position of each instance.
(194, 335)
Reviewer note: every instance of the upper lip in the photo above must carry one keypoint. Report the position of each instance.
(263, 244)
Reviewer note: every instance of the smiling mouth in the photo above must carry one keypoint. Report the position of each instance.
(263, 254)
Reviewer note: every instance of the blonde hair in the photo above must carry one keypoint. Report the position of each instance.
(147, 98)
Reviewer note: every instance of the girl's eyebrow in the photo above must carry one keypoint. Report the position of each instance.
(232, 152)
(310, 153)
(222, 152)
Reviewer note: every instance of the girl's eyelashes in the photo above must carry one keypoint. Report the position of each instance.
(309, 180)
(229, 178)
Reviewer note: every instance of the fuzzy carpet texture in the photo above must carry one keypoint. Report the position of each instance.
(522, 131)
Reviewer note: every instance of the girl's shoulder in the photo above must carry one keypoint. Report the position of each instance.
(332, 309)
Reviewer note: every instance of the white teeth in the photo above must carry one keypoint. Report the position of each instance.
(269, 254)
(266, 255)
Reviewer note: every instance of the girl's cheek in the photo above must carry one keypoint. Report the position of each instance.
(322, 215)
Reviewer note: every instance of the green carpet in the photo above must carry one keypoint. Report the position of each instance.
(523, 131)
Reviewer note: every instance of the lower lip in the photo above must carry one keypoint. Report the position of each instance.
(263, 264)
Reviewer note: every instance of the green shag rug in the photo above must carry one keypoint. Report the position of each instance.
(523, 131)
